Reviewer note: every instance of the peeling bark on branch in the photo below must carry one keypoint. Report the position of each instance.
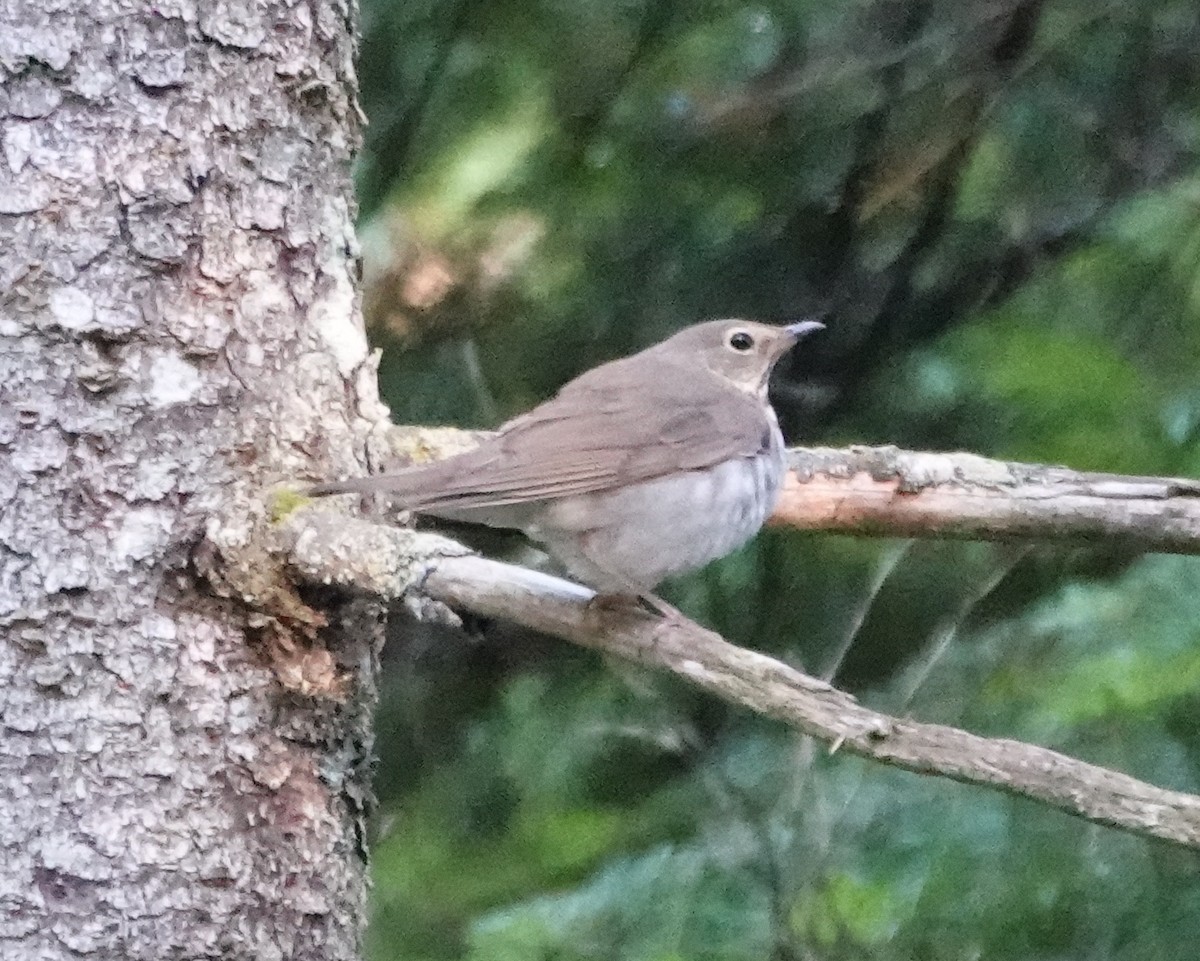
(887, 491)
(327, 548)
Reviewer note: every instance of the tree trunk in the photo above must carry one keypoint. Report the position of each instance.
(181, 774)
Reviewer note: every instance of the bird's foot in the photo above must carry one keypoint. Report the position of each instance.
(615, 603)
(656, 605)
(636, 603)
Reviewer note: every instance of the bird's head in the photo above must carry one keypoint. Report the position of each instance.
(741, 352)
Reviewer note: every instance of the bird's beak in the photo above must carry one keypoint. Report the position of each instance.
(803, 328)
(793, 333)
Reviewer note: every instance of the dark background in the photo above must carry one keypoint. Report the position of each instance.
(996, 208)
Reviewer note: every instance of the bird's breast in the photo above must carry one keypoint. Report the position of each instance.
(637, 535)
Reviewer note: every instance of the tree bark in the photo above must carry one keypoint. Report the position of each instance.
(181, 775)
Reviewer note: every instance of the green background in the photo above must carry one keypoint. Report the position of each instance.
(996, 209)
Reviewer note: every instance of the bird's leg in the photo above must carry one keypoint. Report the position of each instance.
(629, 595)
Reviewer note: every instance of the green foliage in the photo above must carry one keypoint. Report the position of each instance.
(1126, 651)
(665, 904)
(1091, 363)
(1001, 212)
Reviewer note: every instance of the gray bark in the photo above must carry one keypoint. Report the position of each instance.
(181, 773)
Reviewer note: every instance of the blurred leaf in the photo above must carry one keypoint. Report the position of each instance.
(847, 908)
(1123, 651)
(667, 903)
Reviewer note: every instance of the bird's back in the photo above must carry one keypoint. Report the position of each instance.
(614, 425)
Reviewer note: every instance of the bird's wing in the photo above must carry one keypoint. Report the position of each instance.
(614, 425)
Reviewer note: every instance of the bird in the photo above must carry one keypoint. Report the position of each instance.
(639, 469)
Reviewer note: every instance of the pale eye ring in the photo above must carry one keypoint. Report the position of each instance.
(741, 341)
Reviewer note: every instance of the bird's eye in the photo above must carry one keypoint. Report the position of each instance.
(739, 340)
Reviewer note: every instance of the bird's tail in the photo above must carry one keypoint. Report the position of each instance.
(406, 487)
(361, 485)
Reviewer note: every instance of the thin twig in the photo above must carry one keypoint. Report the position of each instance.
(774, 689)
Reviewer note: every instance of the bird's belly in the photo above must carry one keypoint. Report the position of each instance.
(635, 537)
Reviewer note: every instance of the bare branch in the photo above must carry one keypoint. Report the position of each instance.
(891, 492)
(325, 547)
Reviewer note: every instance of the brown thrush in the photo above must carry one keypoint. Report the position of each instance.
(641, 468)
